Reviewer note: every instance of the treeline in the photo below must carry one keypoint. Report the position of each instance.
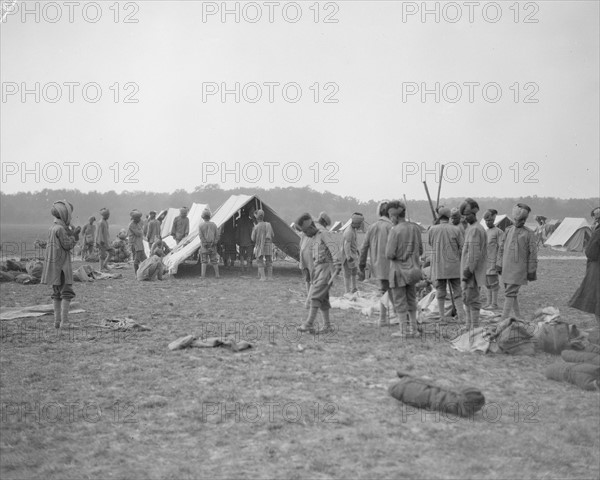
(34, 207)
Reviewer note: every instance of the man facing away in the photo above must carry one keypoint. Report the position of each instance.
(103, 239)
(404, 249)
(209, 238)
(446, 241)
(375, 243)
(351, 254)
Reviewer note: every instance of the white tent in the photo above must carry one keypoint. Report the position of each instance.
(502, 222)
(572, 235)
(336, 226)
(285, 237)
(167, 222)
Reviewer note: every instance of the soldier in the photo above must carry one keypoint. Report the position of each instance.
(519, 259)
(209, 238)
(350, 253)
(181, 225)
(263, 235)
(495, 237)
(135, 234)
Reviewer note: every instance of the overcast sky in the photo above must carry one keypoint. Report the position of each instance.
(516, 113)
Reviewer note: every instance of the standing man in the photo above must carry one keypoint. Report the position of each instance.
(209, 238)
(135, 234)
(103, 240)
(404, 249)
(153, 228)
(181, 225)
(245, 226)
(88, 238)
(58, 272)
(494, 240)
(519, 259)
(446, 241)
(326, 264)
(472, 262)
(375, 243)
(263, 235)
(350, 253)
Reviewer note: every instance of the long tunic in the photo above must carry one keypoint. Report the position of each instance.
(350, 253)
(495, 237)
(519, 255)
(404, 248)
(102, 237)
(375, 243)
(57, 258)
(209, 235)
(88, 233)
(135, 234)
(263, 235)
(474, 252)
(180, 228)
(446, 241)
(153, 231)
(587, 296)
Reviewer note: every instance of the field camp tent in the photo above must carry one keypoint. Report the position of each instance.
(286, 239)
(195, 216)
(502, 222)
(572, 235)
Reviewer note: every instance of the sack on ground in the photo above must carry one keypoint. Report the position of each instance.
(584, 375)
(573, 356)
(424, 394)
(35, 268)
(514, 337)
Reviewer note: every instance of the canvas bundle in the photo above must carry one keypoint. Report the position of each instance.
(421, 393)
(584, 375)
(512, 336)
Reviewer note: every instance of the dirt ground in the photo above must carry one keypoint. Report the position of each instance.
(103, 405)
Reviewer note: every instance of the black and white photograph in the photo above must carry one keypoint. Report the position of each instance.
(312, 239)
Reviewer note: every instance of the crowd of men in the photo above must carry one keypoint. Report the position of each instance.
(464, 259)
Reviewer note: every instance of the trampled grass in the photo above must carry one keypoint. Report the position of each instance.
(104, 405)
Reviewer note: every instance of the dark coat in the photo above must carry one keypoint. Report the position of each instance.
(587, 296)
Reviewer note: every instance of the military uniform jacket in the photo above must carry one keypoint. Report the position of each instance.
(474, 252)
(446, 241)
(375, 243)
(57, 258)
(519, 255)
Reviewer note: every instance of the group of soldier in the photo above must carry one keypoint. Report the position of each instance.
(463, 257)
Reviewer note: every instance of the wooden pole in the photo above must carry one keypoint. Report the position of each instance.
(406, 205)
(430, 202)
(437, 203)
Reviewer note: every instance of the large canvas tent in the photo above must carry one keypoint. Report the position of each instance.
(167, 223)
(286, 239)
(195, 217)
(502, 222)
(572, 235)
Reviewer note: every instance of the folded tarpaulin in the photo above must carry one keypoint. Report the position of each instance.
(573, 356)
(12, 313)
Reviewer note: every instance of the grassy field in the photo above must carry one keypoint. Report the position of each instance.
(100, 405)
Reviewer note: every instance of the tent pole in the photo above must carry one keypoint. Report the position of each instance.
(437, 203)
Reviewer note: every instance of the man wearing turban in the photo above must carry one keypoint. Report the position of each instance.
(446, 241)
(102, 239)
(153, 228)
(135, 234)
(350, 253)
(472, 262)
(209, 238)
(57, 261)
(495, 237)
(262, 236)
(519, 259)
(88, 234)
(375, 243)
(181, 225)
